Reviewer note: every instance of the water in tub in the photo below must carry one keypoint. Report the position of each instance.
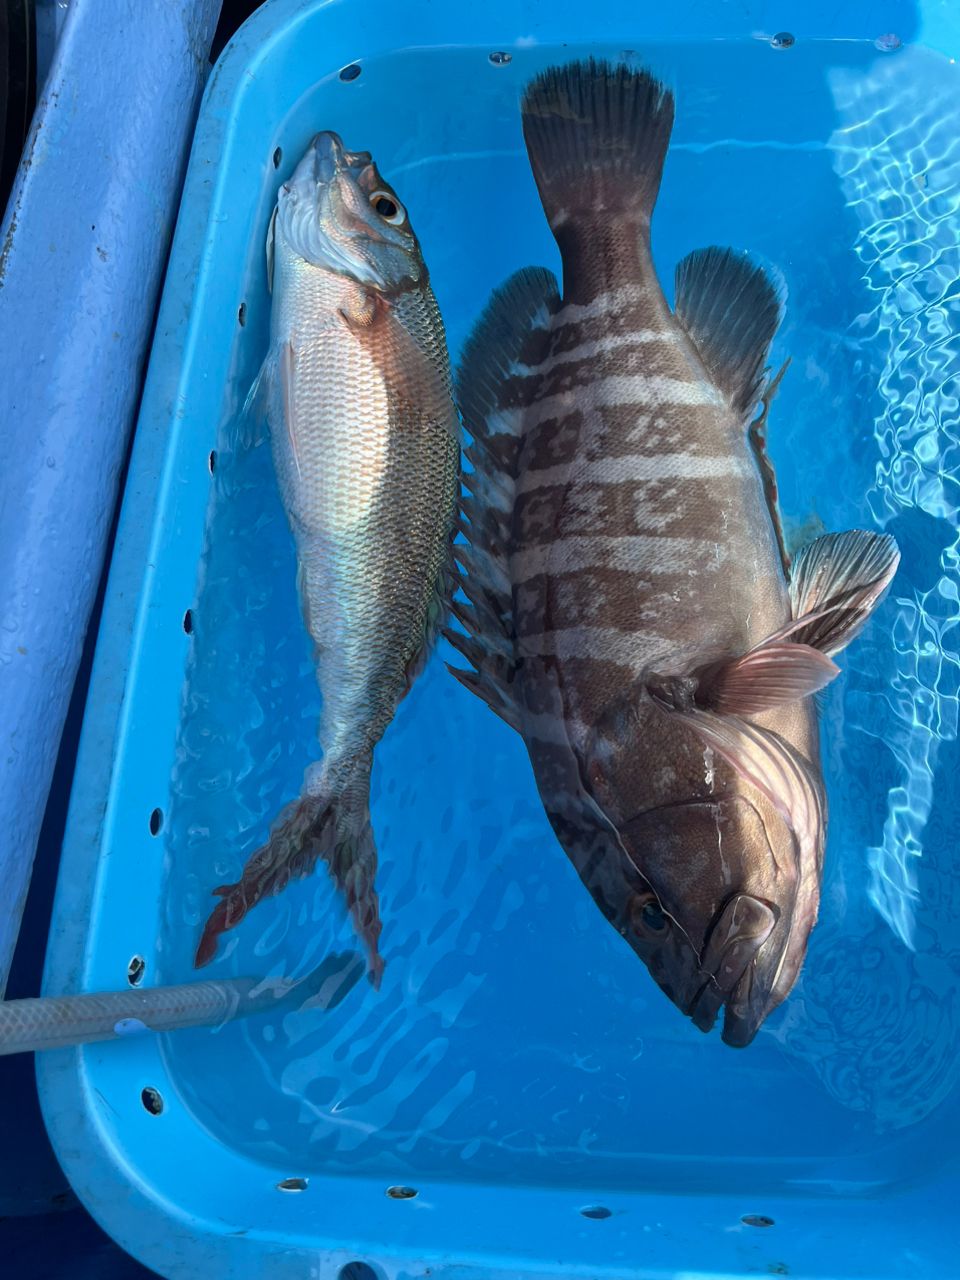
(515, 1034)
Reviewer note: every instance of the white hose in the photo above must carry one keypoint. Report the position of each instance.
(52, 1022)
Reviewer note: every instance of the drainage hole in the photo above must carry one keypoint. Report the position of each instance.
(212, 461)
(596, 1211)
(357, 1271)
(135, 970)
(242, 311)
(277, 157)
(402, 1193)
(156, 822)
(756, 1220)
(188, 622)
(500, 59)
(152, 1100)
(350, 73)
(292, 1184)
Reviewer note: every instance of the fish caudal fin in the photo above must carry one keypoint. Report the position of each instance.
(333, 828)
(490, 393)
(597, 135)
(731, 309)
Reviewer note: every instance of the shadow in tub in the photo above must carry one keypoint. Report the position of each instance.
(515, 1035)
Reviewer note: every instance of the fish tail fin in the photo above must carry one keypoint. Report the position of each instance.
(597, 135)
(332, 825)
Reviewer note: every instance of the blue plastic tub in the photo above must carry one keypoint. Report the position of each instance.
(519, 1070)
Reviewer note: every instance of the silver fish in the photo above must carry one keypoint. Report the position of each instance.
(632, 613)
(357, 392)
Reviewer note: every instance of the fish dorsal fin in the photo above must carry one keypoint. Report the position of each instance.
(509, 334)
(731, 309)
(519, 309)
(836, 583)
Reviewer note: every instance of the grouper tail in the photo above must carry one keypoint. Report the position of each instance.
(596, 134)
(329, 823)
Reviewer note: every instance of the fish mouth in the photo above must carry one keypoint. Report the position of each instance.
(741, 1022)
(329, 157)
(728, 965)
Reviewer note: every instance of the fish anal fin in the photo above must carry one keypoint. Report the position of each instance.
(836, 583)
(409, 372)
(731, 309)
(774, 673)
(757, 439)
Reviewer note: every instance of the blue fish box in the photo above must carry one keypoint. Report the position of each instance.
(520, 1100)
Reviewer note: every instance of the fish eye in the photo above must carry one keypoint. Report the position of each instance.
(388, 208)
(653, 917)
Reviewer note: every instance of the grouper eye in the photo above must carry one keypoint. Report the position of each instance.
(387, 207)
(653, 917)
(647, 915)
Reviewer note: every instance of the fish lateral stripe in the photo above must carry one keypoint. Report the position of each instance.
(639, 469)
(653, 553)
(625, 648)
(589, 350)
(616, 391)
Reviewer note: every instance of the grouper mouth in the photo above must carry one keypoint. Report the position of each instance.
(728, 969)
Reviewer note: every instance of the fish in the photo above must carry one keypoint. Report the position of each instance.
(356, 390)
(626, 601)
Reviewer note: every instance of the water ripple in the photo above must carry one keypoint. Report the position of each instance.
(880, 1023)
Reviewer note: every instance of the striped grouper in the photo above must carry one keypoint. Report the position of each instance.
(632, 612)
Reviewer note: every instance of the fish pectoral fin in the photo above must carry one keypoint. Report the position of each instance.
(731, 309)
(775, 672)
(252, 422)
(768, 762)
(408, 371)
(270, 247)
(836, 583)
(288, 389)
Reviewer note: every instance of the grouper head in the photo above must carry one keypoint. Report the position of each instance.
(725, 896)
(337, 212)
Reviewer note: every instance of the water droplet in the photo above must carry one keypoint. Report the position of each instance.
(888, 43)
(500, 59)
(783, 40)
